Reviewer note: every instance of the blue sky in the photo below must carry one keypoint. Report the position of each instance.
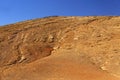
(12, 11)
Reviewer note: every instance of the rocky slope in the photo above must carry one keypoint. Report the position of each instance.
(61, 48)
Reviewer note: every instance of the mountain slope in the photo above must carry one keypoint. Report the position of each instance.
(61, 48)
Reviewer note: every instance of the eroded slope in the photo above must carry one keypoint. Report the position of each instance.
(61, 48)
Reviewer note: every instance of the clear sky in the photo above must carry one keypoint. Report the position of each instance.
(12, 11)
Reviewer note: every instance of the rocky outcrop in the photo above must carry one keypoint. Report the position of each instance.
(61, 48)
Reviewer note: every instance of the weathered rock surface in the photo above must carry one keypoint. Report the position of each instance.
(61, 48)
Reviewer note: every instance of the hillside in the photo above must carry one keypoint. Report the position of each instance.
(61, 48)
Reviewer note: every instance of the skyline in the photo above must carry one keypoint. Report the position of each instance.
(13, 11)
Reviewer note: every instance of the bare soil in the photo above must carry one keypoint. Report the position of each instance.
(61, 48)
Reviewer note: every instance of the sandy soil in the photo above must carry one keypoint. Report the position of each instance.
(61, 48)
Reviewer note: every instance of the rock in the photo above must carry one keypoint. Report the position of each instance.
(61, 48)
(50, 38)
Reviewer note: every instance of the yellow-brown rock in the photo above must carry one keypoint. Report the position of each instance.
(61, 48)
